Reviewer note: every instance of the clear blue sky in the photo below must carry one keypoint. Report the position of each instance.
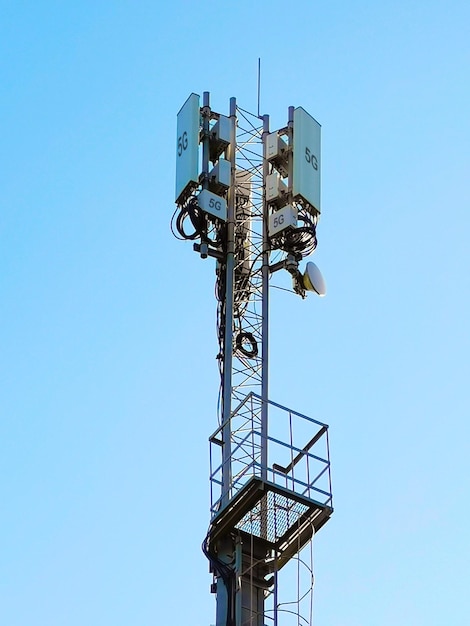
(107, 324)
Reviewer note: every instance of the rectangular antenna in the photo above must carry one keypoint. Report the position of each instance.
(187, 146)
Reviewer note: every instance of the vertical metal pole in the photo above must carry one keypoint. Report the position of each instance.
(206, 114)
(225, 548)
(275, 599)
(290, 126)
(265, 312)
(238, 586)
(228, 331)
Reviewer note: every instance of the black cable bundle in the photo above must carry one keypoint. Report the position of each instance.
(300, 241)
(228, 576)
(197, 218)
(213, 232)
(243, 340)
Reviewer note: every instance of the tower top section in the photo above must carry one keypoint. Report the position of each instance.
(249, 197)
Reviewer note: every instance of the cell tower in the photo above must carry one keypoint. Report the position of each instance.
(249, 198)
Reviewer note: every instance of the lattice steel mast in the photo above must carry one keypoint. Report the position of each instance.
(252, 198)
